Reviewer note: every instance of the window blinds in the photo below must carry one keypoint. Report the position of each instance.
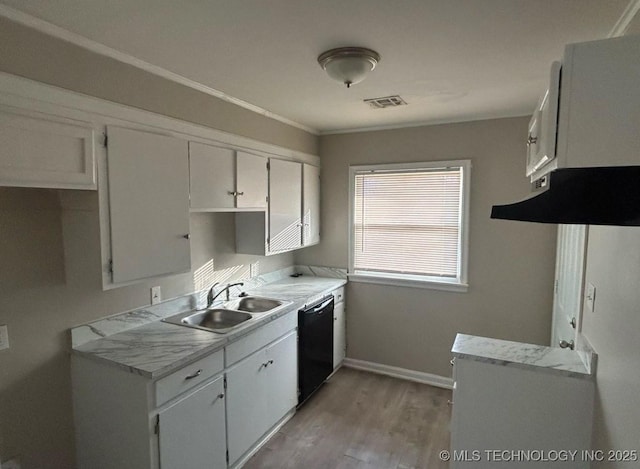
(408, 221)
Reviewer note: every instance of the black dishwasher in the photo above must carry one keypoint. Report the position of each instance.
(315, 346)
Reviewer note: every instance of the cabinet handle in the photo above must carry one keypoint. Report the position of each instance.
(239, 193)
(573, 322)
(195, 375)
(221, 395)
(532, 140)
(187, 236)
(453, 361)
(449, 402)
(565, 344)
(233, 193)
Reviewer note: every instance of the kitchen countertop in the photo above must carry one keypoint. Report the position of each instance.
(527, 356)
(158, 348)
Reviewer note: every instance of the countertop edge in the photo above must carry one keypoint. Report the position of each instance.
(223, 341)
(502, 361)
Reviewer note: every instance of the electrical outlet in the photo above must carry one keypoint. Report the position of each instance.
(4, 337)
(591, 298)
(156, 295)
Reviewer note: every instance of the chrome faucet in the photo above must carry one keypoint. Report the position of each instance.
(211, 297)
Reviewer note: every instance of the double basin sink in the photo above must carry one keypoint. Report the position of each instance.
(232, 315)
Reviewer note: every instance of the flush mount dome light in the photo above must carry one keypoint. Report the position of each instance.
(349, 65)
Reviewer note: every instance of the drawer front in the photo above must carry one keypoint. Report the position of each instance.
(260, 337)
(188, 376)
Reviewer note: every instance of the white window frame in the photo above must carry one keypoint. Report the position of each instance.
(457, 284)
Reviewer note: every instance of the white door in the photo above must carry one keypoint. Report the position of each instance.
(212, 177)
(339, 334)
(148, 204)
(282, 369)
(310, 205)
(251, 181)
(246, 404)
(569, 283)
(285, 205)
(192, 432)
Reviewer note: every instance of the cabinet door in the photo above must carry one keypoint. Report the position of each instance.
(192, 432)
(339, 334)
(211, 177)
(310, 205)
(246, 404)
(149, 204)
(285, 205)
(282, 373)
(251, 181)
(41, 151)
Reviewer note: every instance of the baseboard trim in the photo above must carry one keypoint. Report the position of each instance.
(402, 373)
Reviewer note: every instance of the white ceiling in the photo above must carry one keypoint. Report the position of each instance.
(451, 60)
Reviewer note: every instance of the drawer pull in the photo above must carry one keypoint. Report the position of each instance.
(195, 375)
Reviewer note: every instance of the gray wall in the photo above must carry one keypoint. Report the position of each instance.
(50, 256)
(34, 55)
(511, 264)
(613, 267)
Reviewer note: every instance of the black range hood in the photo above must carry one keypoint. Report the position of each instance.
(583, 196)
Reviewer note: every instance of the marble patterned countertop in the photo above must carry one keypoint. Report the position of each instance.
(576, 364)
(155, 349)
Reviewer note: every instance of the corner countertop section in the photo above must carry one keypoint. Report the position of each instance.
(156, 349)
(527, 356)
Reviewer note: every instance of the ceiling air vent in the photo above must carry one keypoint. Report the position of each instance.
(386, 101)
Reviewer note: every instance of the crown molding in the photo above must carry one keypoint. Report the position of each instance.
(94, 46)
(625, 19)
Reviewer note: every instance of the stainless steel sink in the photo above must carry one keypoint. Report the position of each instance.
(254, 304)
(217, 320)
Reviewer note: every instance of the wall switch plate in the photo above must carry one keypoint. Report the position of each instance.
(591, 297)
(4, 338)
(156, 295)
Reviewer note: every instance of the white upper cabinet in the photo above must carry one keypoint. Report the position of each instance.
(292, 220)
(310, 205)
(285, 205)
(148, 204)
(594, 100)
(252, 181)
(211, 177)
(38, 150)
(222, 179)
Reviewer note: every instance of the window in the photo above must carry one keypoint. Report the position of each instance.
(409, 224)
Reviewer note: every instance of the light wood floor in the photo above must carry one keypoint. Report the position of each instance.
(363, 420)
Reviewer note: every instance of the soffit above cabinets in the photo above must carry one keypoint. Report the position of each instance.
(451, 60)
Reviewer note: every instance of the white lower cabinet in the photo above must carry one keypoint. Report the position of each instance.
(339, 335)
(192, 432)
(503, 411)
(262, 389)
(339, 328)
(189, 418)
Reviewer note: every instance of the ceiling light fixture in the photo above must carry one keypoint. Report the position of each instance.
(349, 65)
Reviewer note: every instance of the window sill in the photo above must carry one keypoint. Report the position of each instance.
(405, 282)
